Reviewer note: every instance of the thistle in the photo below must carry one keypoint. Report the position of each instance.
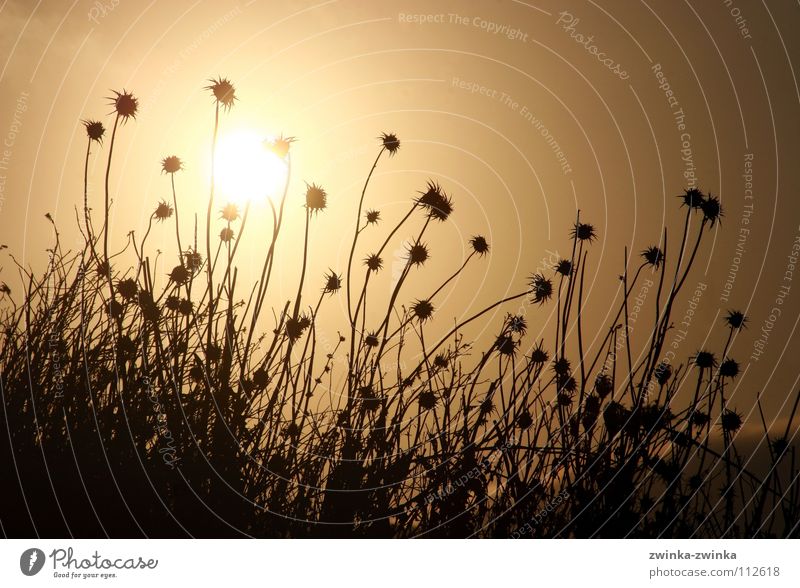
(316, 198)
(390, 142)
(223, 91)
(94, 130)
(479, 245)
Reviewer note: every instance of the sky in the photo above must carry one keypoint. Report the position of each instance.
(524, 112)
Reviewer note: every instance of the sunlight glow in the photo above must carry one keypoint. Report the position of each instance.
(246, 169)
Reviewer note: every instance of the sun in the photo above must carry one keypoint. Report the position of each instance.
(246, 170)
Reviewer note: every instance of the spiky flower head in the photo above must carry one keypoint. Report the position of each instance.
(705, 359)
(564, 267)
(584, 232)
(127, 288)
(712, 209)
(440, 361)
(94, 130)
(603, 385)
(729, 368)
(316, 198)
(333, 282)
(371, 340)
(229, 212)
(663, 373)
(699, 418)
(539, 355)
(653, 256)
(517, 324)
(223, 90)
(438, 205)
(479, 245)
(125, 104)
(427, 400)
(373, 216)
(561, 366)
(418, 254)
(422, 309)
(171, 164)
(163, 211)
(736, 319)
(173, 303)
(186, 307)
(192, 260)
(692, 197)
(541, 287)
(505, 344)
(280, 145)
(226, 235)
(179, 274)
(730, 421)
(390, 142)
(524, 420)
(295, 327)
(373, 262)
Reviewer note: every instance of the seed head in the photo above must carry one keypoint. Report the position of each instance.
(125, 105)
(418, 254)
(373, 216)
(730, 421)
(223, 90)
(729, 368)
(94, 130)
(171, 164)
(438, 205)
(127, 288)
(179, 274)
(541, 287)
(705, 359)
(226, 235)
(564, 267)
(584, 232)
(692, 197)
(653, 256)
(333, 283)
(479, 245)
(736, 319)
(163, 211)
(423, 310)
(371, 340)
(280, 146)
(539, 355)
(229, 212)
(427, 400)
(316, 198)
(712, 209)
(390, 142)
(373, 262)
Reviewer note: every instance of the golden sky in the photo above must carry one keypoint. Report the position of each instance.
(524, 112)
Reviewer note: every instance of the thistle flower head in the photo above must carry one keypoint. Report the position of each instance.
(561, 366)
(295, 327)
(371, 340)
(440, 361)
(712, 209)
(192, 260)
(563, 267)
(427, 400)
(390, 142)
(94, 130)
(505, 344)
(186, 307)
(653, 256)
(373, 216)
(125, 104)
(226, 235)
(422, 309)
(736, 319)
(517, 324)
(418, 254)
(280, 145)
(729, 368)
(373, 262)
(437, 204)
(316, 198)
(171, 164)
(163, 211)
(730, 421)
(524, 420)
(127, 288)
(603, 385)
(173, 303)
(705, 360)
(539, 355)
(479, 245)
(663, 372)
(541, 287)
(584, 232)
(333, 282)
(692, 197)
(179, 274)
(229, 212)
(223, 90)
